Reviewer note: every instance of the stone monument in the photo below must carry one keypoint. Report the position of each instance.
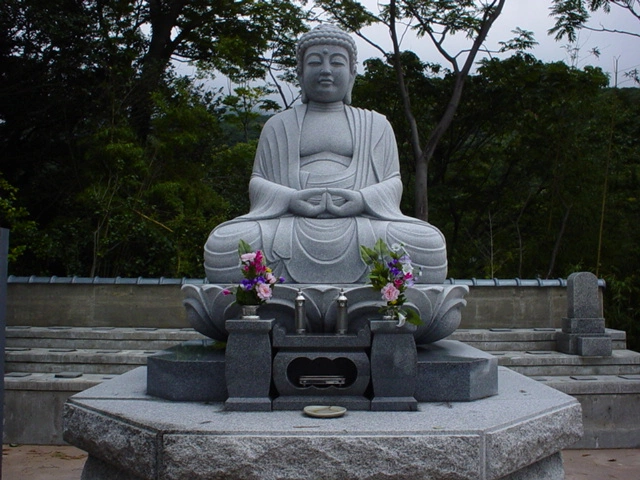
(325, 182)
(583, 329)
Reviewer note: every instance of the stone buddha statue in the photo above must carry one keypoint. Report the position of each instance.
(325, 181)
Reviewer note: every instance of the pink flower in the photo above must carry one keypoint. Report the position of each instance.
(226, 291)
(390, 293)
(248, 257)
(270, 278)
(264, 291)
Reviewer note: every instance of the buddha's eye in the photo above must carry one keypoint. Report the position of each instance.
(338, 60)
(313, 60)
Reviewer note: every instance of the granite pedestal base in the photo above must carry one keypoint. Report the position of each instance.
(516, 434)
(444, 371)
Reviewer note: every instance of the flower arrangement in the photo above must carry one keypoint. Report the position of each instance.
(391, 273)
(257, 285)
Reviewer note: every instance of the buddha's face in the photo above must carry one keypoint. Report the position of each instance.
(326, 74)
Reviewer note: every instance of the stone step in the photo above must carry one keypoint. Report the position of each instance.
(593, 384)
(541, 363)
(55, 360)
(610, 406)
(98, 338)
(494, 339)
(522, 339)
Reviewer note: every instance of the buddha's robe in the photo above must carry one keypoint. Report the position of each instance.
(324, 250)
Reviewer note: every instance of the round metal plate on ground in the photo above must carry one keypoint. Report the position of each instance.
(322, 411)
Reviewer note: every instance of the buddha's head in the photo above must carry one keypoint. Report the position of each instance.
(326, 43)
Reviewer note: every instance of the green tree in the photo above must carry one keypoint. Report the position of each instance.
(436, 21)
(574, 15)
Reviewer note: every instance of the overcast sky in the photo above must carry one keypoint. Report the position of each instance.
(533, 15)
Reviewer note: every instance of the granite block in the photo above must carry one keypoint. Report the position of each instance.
(248, 404)
(322, 341)
(594, 346)
(452, 371)
(112, 440)
(515, 430)
(394, 366)
(298, 402)
(248, 362)
(584, 344)
(353, 366)
(508, 446)
(191, 372)
(583, 325)
(583, 300)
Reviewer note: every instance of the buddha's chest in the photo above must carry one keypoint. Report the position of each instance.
(328, 133)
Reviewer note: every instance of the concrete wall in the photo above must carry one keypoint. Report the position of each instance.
(160, 305)
(80, 305)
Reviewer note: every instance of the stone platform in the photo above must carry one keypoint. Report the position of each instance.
(129, 435)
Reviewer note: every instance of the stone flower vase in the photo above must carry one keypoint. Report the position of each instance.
(250, 312)
(394, 366)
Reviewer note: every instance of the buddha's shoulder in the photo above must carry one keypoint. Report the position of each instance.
(370, 115)
(282, 118)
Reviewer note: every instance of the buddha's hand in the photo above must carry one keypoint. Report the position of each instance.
(345, 203)
(308, 203)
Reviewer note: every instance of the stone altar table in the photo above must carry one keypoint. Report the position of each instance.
(130, 435)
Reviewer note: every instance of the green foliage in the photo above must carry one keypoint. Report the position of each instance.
(245, 108)
(622, 306)
(130, 208)
(517, 185)
(16, 219)
(572, 15)
(229, 174)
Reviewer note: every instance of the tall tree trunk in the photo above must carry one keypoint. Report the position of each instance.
(422, 157)
(163, 17)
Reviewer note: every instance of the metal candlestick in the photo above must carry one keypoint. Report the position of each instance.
(300, 314)
(341, 320)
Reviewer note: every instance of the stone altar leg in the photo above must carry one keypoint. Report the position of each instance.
(248, 365)
(394, 366)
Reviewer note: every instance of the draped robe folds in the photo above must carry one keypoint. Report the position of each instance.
(324, 250)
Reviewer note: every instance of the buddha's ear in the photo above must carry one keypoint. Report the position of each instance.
(303, 94)
(347, 97)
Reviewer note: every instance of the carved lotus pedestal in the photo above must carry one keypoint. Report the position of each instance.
(439, 308)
